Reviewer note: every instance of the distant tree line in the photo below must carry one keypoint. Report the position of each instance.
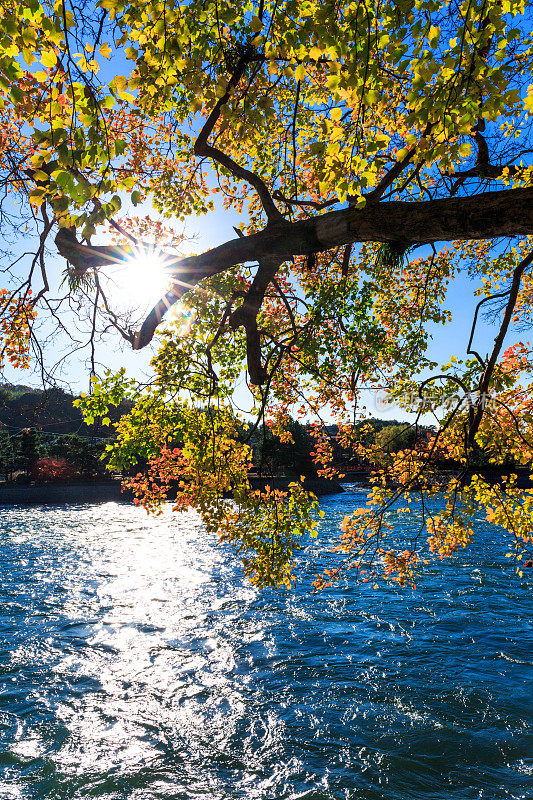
(43, 438)
(29, 454)
(274, 457)
(50, 411)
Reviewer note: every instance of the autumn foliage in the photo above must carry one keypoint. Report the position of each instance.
(375, 153)
(52, 469)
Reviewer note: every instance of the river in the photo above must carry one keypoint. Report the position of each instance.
(137, 663)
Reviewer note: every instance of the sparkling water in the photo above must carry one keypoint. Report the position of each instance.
(136, 662)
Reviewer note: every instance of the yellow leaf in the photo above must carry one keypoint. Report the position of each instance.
(48, 58)
(105, 50)
(299, 72)
(120, 83)
(465, 149)
(37, 197)
(433, 35)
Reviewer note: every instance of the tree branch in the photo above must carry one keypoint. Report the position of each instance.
(246, 316)
(484, 216)
(203, 148)
(498, 342)
(393, 173)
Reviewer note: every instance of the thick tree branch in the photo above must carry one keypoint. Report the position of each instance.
(484, 216)
(84, 258)
(203, 148)
(246, 316)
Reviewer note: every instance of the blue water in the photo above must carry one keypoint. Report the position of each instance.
(136, 663)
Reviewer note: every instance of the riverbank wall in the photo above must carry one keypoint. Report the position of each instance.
(111, 491)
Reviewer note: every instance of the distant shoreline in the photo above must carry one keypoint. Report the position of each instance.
(81, 492)
(111, 491)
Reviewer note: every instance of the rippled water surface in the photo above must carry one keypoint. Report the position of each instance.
(137, 663)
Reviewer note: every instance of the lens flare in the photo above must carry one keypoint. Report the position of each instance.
(144, 278)
(181, 319)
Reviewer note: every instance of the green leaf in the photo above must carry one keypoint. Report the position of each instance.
(256, 24)
(16, 94)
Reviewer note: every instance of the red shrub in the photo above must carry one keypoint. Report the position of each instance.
(52, 469)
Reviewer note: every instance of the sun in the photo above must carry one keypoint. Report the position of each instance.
(143, 278)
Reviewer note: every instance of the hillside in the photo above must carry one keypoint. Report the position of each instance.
(50, 411)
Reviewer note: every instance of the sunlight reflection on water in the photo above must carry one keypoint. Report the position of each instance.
(137, 663)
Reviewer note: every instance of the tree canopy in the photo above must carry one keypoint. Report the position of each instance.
(374, 151)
